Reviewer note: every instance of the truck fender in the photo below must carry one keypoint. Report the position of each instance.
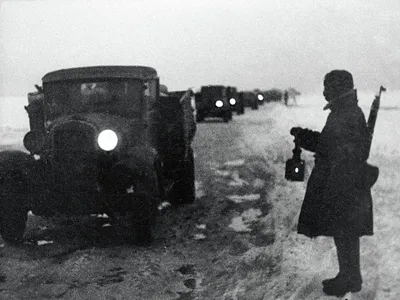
(15, 165)
(16, 184)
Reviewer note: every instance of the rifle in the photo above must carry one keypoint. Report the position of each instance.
(369, 172)
(373, 114)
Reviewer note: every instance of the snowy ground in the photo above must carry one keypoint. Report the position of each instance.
(238, 241)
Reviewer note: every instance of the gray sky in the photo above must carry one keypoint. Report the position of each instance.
(249, 44)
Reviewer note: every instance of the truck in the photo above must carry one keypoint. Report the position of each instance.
(235, 100)
(212, 101)
(102, 140)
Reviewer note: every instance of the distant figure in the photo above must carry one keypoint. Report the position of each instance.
(286, 97)
(337, 202)
(293, 93)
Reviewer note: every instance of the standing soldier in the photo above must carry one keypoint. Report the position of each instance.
(337, 203)
(286, 97)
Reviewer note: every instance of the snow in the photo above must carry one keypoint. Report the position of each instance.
(243, 222)
(239, 199)
(201, 226)
(222, 173)
(199, 236)
(199, 189)
(237, 181)
(43, 242)
(234, 163)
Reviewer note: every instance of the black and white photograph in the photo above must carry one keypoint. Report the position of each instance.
(199, 150)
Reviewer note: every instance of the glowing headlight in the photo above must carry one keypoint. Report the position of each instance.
(219, 103)
(260, 97)
(232, 101)
(107, 140)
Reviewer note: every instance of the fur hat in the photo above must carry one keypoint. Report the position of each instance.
(339, 78)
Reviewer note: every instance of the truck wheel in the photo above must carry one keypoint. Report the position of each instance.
(227, 118)
(142, 219)
(199, 118)
(142, 233)
(14, 211)
(183, 191)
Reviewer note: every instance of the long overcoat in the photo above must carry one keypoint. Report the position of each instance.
(334, 203)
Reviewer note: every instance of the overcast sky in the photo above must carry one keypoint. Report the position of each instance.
(249, 44)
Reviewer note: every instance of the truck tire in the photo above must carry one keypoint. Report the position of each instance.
(199, 117)
(183, 191)
(14, 194)
(227, 117)
(142, 232)
(142, 220)
(240, 110)
(13, 211)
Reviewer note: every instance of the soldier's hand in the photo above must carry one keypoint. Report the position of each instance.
(295, 131)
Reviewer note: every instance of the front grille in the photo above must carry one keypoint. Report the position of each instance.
(74, 164)
(74, 139)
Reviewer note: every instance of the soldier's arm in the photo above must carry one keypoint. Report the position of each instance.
(306, 138)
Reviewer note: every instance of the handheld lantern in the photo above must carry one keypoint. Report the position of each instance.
(295, 166)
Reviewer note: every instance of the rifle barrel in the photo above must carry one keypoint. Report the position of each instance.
(373, 114)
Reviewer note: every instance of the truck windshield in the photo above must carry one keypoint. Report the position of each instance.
(216, 91)
(119, 97)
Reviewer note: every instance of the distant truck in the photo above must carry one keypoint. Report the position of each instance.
(260, 96)
(235, 100)
(250, 100)
(273, 95)
(212, 101)
(101, 140)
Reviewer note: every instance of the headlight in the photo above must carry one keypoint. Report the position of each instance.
(232, 101)
(260, 97)
(107, 140)
(34, 141)
(219, 103)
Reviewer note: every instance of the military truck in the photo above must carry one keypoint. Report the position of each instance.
(260, 96)
(235, 100)
(250, 100)
(101, 140)
(273, 95)
(212, 101)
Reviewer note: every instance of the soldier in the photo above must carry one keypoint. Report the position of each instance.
(286, 97)
(336, 202)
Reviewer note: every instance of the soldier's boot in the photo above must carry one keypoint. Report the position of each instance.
(349, 280)
(341, 262)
